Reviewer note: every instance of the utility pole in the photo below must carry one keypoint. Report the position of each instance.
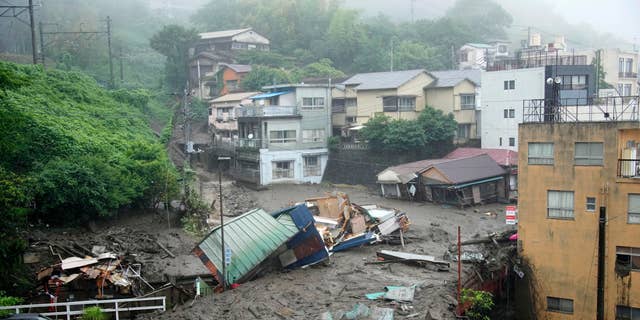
(41, 43)
(44, 33)
(121, 67)
(453, 58)
(110, 56)
(32, 26)
(11, 11)
(391, 66)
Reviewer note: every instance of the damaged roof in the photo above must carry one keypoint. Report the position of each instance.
(405, 172)
(252, 237)
(503, 157)
(462, 170)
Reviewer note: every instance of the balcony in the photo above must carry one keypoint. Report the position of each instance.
(268, 111)
(628, 75)
(581, 110)
(629, 168)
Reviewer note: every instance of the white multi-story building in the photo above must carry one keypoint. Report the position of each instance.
(510, 96)
(502, 96)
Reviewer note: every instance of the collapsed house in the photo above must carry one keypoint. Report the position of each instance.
(460, 182)
(298, 236)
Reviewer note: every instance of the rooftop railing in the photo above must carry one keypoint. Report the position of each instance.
(581, 109)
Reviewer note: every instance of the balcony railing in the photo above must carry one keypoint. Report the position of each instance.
(267, 111)
(629, 168)
(581, 109)
(629, 75)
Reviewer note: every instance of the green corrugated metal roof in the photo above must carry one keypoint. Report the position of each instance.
(287, 221)
(252, 237)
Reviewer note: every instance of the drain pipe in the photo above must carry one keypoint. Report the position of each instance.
(601, 252)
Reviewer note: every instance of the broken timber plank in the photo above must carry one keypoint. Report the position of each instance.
(165, 249)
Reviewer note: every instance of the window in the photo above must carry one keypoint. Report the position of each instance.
(577, 82)
(560, 204)
(351, 119)
(627, 313)
(407, 103)
(282, 169)
(350, 102)
(588, 153)
(500, 143)
(509, 84)
(591, 204)
(463, 131)
(282, 136)
(509, 113)
(621, 65)
(633, 209)
(627, 90)
(313, 103)
(389, 104)
(210, 111)
(232, 84)
(311, 166)
(559, 305)
(251, 46)
(540, 153)
(627, 259)
(464, 56)
(629, 65)
(467, 101)
(620, 89)
(512, 142)
(313, 135)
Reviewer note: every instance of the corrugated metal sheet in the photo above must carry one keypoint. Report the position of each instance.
(252, 237)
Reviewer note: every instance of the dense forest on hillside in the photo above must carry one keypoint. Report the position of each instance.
(71, 151)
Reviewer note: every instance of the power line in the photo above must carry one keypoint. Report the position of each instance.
(16, 11)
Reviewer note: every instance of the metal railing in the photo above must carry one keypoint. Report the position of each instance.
(628, 168)
(77, 307)
(581, 109)
(267, 111)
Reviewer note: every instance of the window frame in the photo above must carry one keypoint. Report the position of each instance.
(406, 103)
(629, 212)
(633, 255)
(512, 142)
(313, 103)
(469, 105)
(290, 170)
(572, 209)
(587, 203)
(284, 136)
(311, 170)
(509, 85)
(557, 307)
(630, 312)
(540, 159)
(390, 107)
(585, 160)
(316, 135)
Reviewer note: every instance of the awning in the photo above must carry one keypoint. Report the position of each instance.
(269, 95)
(356, 128)
(459, 186)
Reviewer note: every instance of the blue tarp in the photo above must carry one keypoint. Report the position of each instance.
(269, 95)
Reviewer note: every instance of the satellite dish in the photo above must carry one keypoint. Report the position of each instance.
(250, 136)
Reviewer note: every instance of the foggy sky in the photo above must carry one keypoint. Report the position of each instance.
(618, 17)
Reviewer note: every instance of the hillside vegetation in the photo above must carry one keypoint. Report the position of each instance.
(71, 151)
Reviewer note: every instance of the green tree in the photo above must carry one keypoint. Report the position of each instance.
(481, 303)
(601, 75)
(344, 37)
(375, 131)
(413, 55)
(404, 135)
(320, 69)
(173, 42)
(439, 128)
(261, 76)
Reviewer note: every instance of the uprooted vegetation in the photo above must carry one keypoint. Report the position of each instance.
(71, 151)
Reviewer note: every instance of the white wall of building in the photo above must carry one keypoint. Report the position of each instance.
(269, 157)
(529, 84)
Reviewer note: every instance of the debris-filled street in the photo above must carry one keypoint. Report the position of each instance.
(341, 284)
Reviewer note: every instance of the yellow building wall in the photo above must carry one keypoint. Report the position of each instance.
(562, 254)
(448, 100)
(370, 101)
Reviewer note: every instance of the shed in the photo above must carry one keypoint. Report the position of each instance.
(465, 181)
(393, 180)
(252, 238)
